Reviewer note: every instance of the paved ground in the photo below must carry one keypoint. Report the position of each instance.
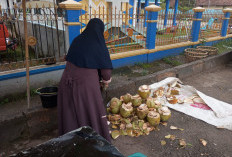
(216, 84)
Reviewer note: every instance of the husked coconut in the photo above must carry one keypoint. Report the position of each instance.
(150, 102)
(126, 98)
(126, 110)
(165, 113)
(115, 104)
(153, 118)
(142, 111)
(136, 100)
(144, 91)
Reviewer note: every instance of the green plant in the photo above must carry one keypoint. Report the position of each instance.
(171, 61)
(224, 46)
(16, 97)
(4, 101)
(144, 65)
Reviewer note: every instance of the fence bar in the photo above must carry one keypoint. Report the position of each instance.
(157, 2)
(152, 24)
(145, 13)
(166, 12)
(197, 23)
(131, 10)
(225, 22)
(175, 12)
(138, 10)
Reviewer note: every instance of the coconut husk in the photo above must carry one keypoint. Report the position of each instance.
(172, 99)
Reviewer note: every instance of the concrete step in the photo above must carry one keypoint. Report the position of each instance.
(229, 64)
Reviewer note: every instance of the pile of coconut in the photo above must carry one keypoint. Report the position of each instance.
(139, 114)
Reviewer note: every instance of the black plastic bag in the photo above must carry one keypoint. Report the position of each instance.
(82, 142)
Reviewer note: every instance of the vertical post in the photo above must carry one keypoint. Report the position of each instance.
(166, 12)
(72, 22)
(152, 25)
(26, 51)
(138, 10)
(196, 26)
(157, 2)
(145, 13)
(225, 22)
(175, 12)
(131, 11)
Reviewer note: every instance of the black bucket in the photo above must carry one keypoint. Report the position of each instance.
(48, 96)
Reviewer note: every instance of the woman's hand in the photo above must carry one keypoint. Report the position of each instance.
(105, 84)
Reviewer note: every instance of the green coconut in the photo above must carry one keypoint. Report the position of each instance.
(150, 102)
(144, 91)
(126, 110)
(153, 118)
(157, 104)
(126, 98)
(136, 100)
(115, 104)
(165, 113)
(142, 111)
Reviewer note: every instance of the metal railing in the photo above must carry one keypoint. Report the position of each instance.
(123, 31)
(211, 23)
(173, 33)
(46, 29)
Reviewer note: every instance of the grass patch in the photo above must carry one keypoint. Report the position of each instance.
(171, 61)
(224, 46)
(16, 97)
(144, 65)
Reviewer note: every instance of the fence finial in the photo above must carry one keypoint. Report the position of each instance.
(198, 9)
(227, 10)
(71, 5)
(153, 8)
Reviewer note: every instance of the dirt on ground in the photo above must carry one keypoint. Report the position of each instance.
(216, 84)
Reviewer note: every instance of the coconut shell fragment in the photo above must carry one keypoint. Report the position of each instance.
(172, 99)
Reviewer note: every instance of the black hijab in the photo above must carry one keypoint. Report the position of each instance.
(88, 50)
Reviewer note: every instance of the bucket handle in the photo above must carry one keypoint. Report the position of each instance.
(37, 91)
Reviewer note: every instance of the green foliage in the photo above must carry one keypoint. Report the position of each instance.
(170, 61)
(16, 97)
(184, 5)
(4, 101)
(224, 46)
(144, 65)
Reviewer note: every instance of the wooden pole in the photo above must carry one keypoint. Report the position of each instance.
(26, 52)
